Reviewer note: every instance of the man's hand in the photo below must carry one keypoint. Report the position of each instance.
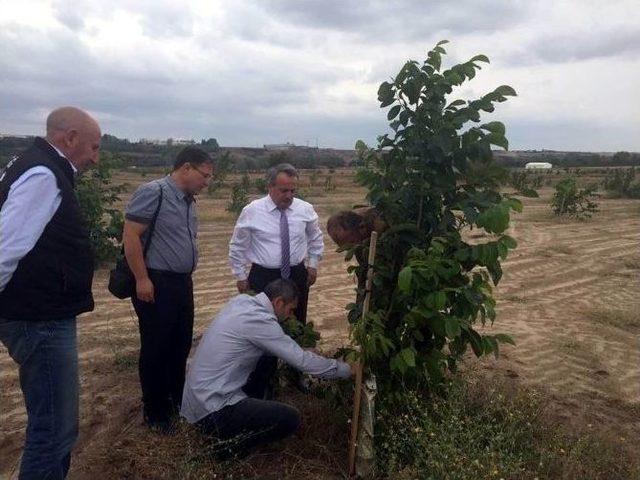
(243, 286)
(145, 290)
(312, 275)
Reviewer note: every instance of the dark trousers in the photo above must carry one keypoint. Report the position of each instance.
(166, 329)
(250, 423)
(259, 384)
(260, 277)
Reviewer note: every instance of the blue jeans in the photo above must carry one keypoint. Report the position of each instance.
(47, 355)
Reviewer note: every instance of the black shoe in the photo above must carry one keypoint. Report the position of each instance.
(162, 427)
(160, 424)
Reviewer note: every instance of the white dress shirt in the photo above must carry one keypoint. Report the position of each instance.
(256, 236)
(244, 330)
(32, 202)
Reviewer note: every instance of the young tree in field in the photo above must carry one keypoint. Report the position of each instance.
(573, 202)
(238, 200)
(96, 195)
(620, 182)
(224, 166)
(524, 185)
(433, 177)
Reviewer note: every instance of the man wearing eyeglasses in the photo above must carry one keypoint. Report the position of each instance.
(164, 290)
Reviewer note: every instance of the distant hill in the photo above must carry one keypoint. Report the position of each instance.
(248, 158)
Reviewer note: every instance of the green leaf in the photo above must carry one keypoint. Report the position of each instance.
(409, 357)
(452, 327)
(386, 94)
(495, 270)
(404, 117)
(397, 364)
(503, 251)
(509, 242)
(393, 113)
(494, 219)
(434, 59)
(434, 367)
(497, 139)
(440, 300)
(404, 279)
(514, 204)
(504, 338)
(494, 127)
(476, 341)
(453, 77)
(480, 58)
(505, 91)
(495, 348)
(456, 103)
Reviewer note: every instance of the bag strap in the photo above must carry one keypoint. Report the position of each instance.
(152, 225)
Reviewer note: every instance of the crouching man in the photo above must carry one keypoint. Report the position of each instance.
(217, 396)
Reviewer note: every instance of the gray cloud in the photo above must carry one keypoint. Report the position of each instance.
(402, 20)
(563, 48)
(251, 73)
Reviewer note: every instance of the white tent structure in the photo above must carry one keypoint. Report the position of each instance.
(538, 165)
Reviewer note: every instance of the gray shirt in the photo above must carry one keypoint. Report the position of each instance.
(244, 330)
(173, 245)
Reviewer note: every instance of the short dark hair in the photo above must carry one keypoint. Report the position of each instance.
(273, 172)
(348, 220)
(192, 155)
(285, 289)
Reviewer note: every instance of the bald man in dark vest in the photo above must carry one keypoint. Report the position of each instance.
(46, 272)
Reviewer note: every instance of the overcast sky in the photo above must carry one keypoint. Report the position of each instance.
(249, 73)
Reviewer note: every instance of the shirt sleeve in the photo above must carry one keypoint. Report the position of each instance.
(143, 203)
(30, 205)
(315, 243)
(240, 244)
(271, 338)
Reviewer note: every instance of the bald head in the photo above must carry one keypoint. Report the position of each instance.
(76, 134)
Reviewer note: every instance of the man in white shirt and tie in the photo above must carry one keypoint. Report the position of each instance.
(275, 235)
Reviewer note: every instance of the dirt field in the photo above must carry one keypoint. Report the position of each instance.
(569, 297)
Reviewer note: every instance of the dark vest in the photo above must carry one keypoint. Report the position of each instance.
(53, 281)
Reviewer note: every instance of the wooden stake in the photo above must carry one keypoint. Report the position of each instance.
(359, 367)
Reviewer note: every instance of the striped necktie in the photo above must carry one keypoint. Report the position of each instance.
(285, 247)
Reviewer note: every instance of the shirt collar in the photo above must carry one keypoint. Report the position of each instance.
(75, 170)
(271, 205)
(263, 300)
(180, 194)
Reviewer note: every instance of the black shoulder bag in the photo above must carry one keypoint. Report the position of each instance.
(122, 283)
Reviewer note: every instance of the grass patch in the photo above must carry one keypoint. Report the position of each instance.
(317, 451)
(479, 430)
(125, 361)
(485, 431)
(615, 317)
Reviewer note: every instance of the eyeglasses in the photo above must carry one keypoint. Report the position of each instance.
(205, 175)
